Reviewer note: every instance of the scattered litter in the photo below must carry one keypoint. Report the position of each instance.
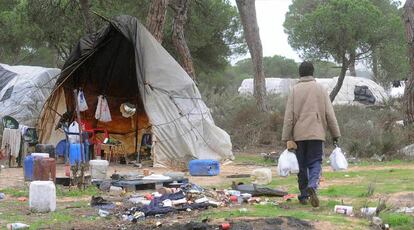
(225, 226)
(369, 211)
(156, 177)
(2, 196)
(105, 186)
(288, 197)
(377, 221)
(377, 157)
(256, 190)
(343, 209)
(14, 226)
(405, 210)
(346, 175)
(242, 210)
(103, 213)
(158, 224)
(139, 200)
(22, 199)
(239, 176)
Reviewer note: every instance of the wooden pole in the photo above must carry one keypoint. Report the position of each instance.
(78, 117)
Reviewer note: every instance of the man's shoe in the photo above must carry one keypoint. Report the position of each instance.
(303, 201)
(313, 197)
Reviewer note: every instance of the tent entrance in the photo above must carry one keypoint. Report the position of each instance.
(111, 72)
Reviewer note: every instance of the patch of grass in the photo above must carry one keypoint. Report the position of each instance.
(62, 191)
(15, 192)
(253, 159)
(398, 221)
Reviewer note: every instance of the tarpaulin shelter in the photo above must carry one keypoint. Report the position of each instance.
(345, 96)
(24, 90)
(126, 64)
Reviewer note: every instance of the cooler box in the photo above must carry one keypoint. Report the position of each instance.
(204, 167)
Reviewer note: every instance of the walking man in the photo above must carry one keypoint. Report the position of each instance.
(308, 114)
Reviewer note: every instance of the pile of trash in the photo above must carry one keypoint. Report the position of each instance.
(189, 197)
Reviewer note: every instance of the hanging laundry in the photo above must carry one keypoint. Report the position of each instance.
(83, 106)
(102, 110)
(74, 128)
(11, 141)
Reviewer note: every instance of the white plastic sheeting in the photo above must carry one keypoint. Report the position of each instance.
(397, 92)
(345, 95)
(29, 86)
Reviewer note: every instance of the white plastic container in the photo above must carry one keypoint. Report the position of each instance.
(343, 209)
(98, 169)
(262, 176)
(46, 155)
(42, 196)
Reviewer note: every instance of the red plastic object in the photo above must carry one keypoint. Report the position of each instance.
(225, 226)
(88, 128)
(149, 197)
(233, 198)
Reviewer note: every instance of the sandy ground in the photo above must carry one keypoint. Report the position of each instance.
(13, 177)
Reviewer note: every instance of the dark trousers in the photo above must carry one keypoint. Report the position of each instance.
(309, 155)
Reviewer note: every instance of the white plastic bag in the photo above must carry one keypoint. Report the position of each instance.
(102, 110)
(83, 106)
(73, 128)
(287, 164)
(338, 160)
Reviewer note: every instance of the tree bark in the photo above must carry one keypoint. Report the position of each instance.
(248, 18)
(84, 7)
(181, 7)
(375, 65)
(351, 66)
(409, 86)
(341, 78)
(156, 18)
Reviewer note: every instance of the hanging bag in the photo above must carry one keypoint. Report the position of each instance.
(102, 110)
(338, 160)
(288, 163)
(83, 106)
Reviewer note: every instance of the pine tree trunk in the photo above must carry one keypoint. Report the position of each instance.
(156, 18)
(84, 8)
(341, 78)
(181, 7)
(409, 87)
(248, 18)
(375, 65)
(351, 66)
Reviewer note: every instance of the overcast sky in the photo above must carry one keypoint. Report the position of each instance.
(270, 16)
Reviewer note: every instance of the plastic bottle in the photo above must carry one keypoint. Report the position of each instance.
(17, 226)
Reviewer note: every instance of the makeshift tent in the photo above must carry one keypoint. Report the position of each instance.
(127, 65)
(24, 90)
(345, 96)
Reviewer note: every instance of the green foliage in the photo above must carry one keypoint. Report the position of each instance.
(330, 30)
(276, 66)
(43, 32)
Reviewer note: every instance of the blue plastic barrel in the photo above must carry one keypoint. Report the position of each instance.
(204, 167)
(75, 154)
(28, 166)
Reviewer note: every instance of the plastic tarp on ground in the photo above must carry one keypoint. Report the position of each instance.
(124, 62)
(345, 95)
(24, 90)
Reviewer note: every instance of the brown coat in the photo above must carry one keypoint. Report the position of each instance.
(309, 113)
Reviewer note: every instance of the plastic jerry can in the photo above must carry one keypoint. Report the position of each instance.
(44, 169)
(42, 196)
(98, 169)
(28, 168)
(204, 167)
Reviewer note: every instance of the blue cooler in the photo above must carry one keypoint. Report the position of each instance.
(204, 167)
